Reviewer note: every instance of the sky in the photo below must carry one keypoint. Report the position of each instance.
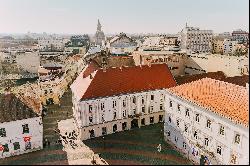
(129, 16)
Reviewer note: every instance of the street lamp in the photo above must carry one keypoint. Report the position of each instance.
(103, 142)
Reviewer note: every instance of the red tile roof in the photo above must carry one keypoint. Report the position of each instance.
(91, 68)
(226, 99)
(115, 81)
(219, 75)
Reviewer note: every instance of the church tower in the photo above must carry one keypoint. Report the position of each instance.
(99, 35)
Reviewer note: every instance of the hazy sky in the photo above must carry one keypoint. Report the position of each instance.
(131, 16)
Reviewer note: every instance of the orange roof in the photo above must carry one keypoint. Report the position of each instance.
(223, 98)
(116, 81)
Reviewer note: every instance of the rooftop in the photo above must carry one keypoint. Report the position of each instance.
(122, 80)
(226, 99)
(12, 109)
(219, 75)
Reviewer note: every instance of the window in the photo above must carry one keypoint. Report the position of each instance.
(233, 159)
(237, 139)
(219, 150)
(162, 97)
(208, 123)
(195, 135)
(186, 128)
(142, 100)
(151, 109)
(176, 139)
(151, 119)
(104, 131)
(102, 106)
(103, 120)
(206, 141)
(114, 115)
(114, 128)
(169, 119)
(187, 112)
(161, 107)
(178, 107)
(90, 119)
(170, 104)
(124, 113)
(124, 126)
(25, 128)
(134, 100)
(197, 117)
(114, 104)
(143, 109)
(45, 92)
(184, 145)
(222, 130)
(124, 103)
(2, 132)
(152, 97)
(168, 133)
(50, 91)
(160, 118)
(16, 145)
(178, 123)
(90, 108)
(5, 148)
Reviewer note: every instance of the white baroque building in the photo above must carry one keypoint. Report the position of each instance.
(195, 40)
(208, 121)
(116, 99)
(21, 129)
(122, 44)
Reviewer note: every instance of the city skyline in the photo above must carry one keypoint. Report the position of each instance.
(160, 16)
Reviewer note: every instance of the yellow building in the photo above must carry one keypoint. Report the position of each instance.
(218, 46)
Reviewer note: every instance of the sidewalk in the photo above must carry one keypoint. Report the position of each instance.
(82, 154)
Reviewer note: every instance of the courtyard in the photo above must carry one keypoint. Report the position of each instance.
(139, 146)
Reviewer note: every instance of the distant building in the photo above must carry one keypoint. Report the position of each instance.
(110, 100)
(240, 36)
(196, 40)
(218, 46)
(122, 45)
(228, 46)
(21, 128)
(208, 121)
(78, 44)
(99, 35)
(51, 44)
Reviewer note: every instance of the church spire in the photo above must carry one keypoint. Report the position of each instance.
(99, 26)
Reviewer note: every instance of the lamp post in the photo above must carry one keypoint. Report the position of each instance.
(103, 142)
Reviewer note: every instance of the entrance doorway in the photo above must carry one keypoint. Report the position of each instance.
(124, 126)
(92, 133)
(115, 128)
(134, 123)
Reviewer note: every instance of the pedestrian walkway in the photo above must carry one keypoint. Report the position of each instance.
(77, 152)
